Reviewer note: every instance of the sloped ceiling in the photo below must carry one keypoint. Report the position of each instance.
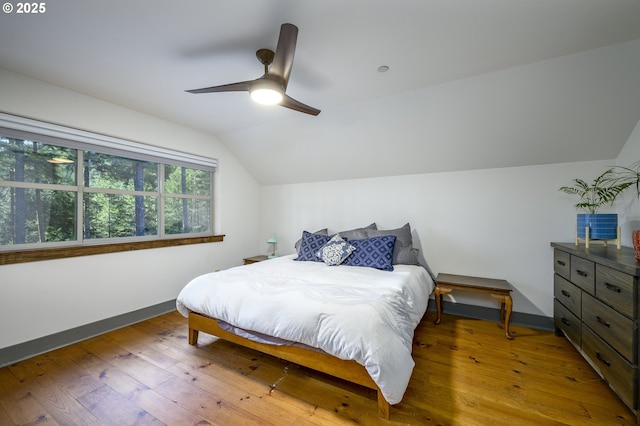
(472, 83)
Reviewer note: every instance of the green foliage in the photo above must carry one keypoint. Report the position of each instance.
(121, 196)
(629, 176)
(603, 190)
(30, 215)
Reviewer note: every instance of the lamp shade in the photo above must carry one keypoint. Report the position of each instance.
(273, 241)
(266, 92)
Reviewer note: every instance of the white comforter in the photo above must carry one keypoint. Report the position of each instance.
(350, 312)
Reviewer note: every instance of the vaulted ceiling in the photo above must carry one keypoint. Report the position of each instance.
(471, 84)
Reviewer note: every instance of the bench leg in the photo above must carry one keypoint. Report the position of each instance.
(439, 292)
(506, 305)
(509, 303)
(438, 298)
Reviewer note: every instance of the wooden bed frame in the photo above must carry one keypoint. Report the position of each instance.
(320, 361)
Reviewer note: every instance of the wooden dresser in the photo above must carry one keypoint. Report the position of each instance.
(596, 308)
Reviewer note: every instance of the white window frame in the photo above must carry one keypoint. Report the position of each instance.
(29, 129)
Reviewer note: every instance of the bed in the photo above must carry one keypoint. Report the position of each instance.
(346, 320)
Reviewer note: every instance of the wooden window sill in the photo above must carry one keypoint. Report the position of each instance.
(11, 257)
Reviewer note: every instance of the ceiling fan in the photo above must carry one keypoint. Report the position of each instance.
(270, 88)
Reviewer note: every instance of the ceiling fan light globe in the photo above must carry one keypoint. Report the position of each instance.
(266, 96)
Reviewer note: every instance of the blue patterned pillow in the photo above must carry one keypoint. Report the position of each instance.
(310, 245)
(335, 251)
(374, 252)
(319, 231)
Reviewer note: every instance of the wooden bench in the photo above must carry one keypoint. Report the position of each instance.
(500, 289)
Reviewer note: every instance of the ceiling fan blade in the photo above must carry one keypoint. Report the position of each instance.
(283, 59)
(289, 102)
(242, 86)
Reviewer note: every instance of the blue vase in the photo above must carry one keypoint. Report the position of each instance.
(602, 226)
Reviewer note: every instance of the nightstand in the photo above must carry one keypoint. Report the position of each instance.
(255, 259)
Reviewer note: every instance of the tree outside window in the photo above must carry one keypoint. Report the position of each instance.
(55, 194)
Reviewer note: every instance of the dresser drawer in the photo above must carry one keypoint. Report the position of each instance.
(567, 322)
(620, 375)
(561, 263)
(583, 274)
(567, 294)
(616, 289)
(613, 327)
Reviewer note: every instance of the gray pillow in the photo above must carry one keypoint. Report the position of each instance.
(403, 253)
(319, 232)
(358, 233)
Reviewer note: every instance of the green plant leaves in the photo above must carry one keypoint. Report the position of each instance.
(603, 190)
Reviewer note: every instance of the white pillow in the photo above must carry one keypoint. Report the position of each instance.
(335, 251)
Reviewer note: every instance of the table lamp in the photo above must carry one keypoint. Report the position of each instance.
(273, 242)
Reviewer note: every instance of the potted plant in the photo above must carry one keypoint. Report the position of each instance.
(630, 178)
(603, 190)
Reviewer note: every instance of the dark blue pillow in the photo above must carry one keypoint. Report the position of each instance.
(374, 252)
(309, 246)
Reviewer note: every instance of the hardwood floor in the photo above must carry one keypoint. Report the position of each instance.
(467, 373)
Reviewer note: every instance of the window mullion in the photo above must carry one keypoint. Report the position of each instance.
(120, 192)
(34, 185)
(161, 194)
(80, 197)
(191, 196)
(211, 204)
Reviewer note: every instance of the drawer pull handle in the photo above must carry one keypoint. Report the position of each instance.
(612, 287)
(561, 263)
(581, 273)
(565, 321)
(603, 322)
(565, 293)
(602, 360)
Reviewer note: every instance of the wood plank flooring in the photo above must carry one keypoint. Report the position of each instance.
(467, 373)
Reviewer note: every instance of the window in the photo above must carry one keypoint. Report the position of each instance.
(60, 187)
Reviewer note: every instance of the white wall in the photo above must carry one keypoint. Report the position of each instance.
(628, 206)
(495, 223)
(41, 298)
